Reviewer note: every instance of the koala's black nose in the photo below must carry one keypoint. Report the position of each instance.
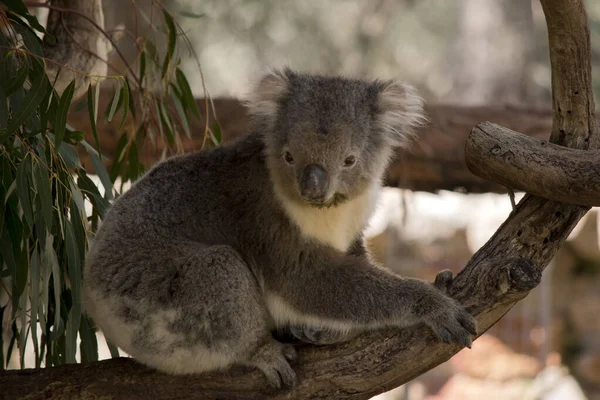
(313, 184)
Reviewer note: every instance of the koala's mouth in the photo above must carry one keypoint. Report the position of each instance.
(334, 201)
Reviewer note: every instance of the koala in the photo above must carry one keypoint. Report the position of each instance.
(206, 255)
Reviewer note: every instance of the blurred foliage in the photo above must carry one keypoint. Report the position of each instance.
(44, 188)
(418, 41)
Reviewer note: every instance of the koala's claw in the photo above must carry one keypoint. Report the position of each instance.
(278, 374)
(317, 336)
(443, 280)
(457, 326)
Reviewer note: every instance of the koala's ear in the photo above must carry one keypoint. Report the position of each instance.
(400, 112)
(263, 100)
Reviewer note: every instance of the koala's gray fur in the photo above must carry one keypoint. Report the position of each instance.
(204, 256)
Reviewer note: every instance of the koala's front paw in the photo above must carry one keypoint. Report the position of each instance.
(450, 321)
(318, 336)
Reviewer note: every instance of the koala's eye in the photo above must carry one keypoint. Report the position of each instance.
(288, 157)
(349, 161)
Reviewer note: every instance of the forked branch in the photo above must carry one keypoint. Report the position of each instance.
(534, 166)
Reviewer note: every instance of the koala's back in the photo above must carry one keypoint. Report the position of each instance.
(166, 254)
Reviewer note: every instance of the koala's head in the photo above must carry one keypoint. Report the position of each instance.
(328, 139)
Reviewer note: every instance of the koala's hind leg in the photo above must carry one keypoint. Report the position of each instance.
(207, 314)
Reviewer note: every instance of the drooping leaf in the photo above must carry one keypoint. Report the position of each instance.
(26, 196)
(91, 192)
(114, 105)
(181, 112)
(31, 101)
(125, 96)
(35, 277)
(102, 173)
(131, 104)
(11, 85)
(3, 110)
(70, 155)
(172, 32)
(165, 122)
(74, 272)
(186, 92)
(190, 14)
(92, 110)
(60, 121)
(43, 186)
(2, 309)
(114, 351)
(142, 65)
(217, 135)
(88, 347)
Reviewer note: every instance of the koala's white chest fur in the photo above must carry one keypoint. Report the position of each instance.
(335, 226)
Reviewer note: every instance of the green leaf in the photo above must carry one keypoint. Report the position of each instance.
(2, 338)
(189, 14)
(181, 112)
(125, 95)
(114, 351)
(11, 344)
(11, 85)
(3, 109)
(91, 191)
(142, 65)
(40, 226)
(131, 104)
(6, 249)
(24, 189)
(43, 186)
(35, 277)
(32, 100)
(166, 124)
(60, 122)
(102, 173)
(186, 92)
(16, 6)
(30, 39)
(88, 347)
(172, 41)
(118, 157)
(79, 229)
(22, 340)
(77, 199)
(217, 135)
(70, 155)
(113, 105)
(74, 272)
(92, 110)
(73, 137)
(51, 260)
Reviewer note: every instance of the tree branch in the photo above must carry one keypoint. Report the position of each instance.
(534, 166)
(502, 272)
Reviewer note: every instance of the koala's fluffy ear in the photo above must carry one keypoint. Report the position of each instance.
(264, 99)
(400, 112)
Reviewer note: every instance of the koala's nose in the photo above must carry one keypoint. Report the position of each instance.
(314, 182)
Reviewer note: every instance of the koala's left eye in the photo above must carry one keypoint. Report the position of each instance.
(349, 161)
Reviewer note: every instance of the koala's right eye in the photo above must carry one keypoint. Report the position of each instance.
(288, 157)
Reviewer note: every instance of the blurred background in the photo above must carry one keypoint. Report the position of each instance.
(466, 53)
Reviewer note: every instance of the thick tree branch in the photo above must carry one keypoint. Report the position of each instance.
(534, 166)
(502, 272)
(436, 162)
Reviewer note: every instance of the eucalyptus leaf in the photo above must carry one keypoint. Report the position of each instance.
(60, 122)
(32, 100)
